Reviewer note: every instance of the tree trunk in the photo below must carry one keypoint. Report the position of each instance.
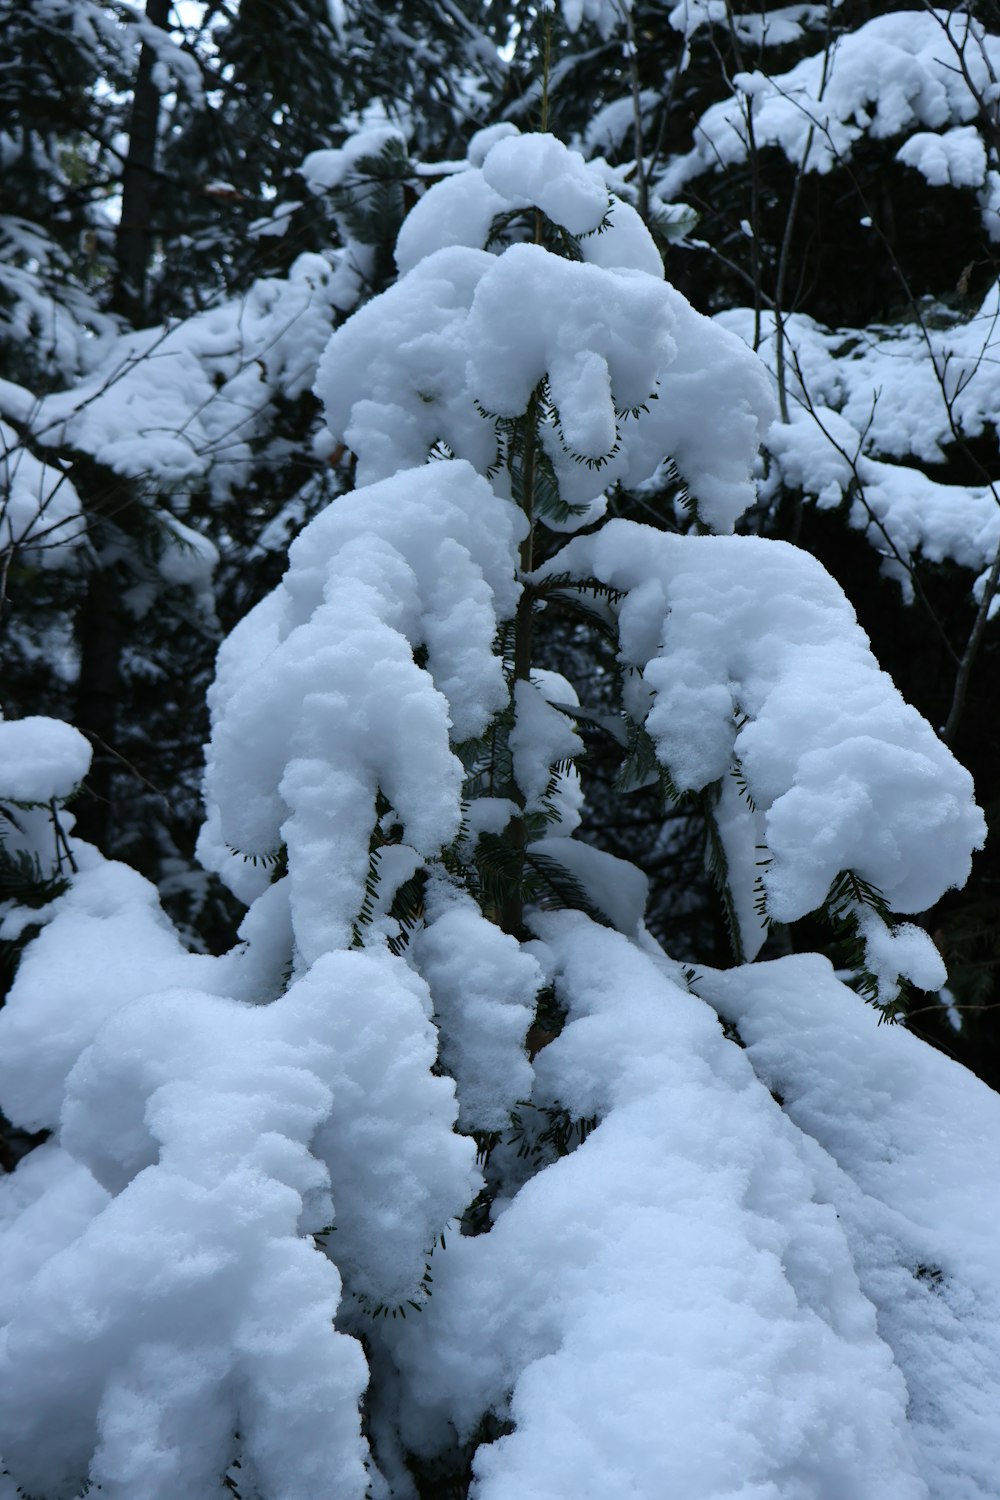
(99, 630)
(99, 626)
(134, 244)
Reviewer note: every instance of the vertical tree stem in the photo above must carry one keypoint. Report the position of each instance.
(134, 241)
(970, 653)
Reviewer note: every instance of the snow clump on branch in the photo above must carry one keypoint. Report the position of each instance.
(466, 335)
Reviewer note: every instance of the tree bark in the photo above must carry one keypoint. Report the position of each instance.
(134, 242)
(100, 624)
(100, 633)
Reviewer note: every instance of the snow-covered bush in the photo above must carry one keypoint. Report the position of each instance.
(447, 1161)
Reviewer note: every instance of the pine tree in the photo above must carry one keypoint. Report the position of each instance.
(447, 1174)
(845, 228)
(166, 277)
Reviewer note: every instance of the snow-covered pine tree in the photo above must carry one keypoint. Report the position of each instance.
(863, 162)
(841, 162)
(447, 1173)
(168, 281)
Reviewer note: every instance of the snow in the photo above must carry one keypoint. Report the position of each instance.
(510, 173)
(220, 1128)
(600, 337)
(105, 939)
(774, 28)
(860, 399)
(989, 204)
(682, 1259)
(899, 1132)
(41, 508)
(201, 1251)
(415, 367)
(256, 1158)
(41, 760)
(608, 128)
(392, 379)
(483, 141)
(750, 655)
(189, 559)
(606, 15)
(955, 159)
(66, 328)
(318, 702)
(458, 210)
(326, 170)
(904, 951)
(170, 409)
(712, 452)
(47, 1202)
(616, 888)
(549, 175)
(742, 833)
(181, 404)
(540, 738)
(623, 242)
(483, 989)
(896, 74)
(519, 173)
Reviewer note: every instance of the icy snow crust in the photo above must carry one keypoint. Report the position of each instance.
(712, 1295)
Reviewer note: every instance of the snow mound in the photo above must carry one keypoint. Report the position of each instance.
(899, 1131)
(684, 1258)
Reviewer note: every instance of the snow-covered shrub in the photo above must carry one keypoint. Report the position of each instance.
(447, 1134)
